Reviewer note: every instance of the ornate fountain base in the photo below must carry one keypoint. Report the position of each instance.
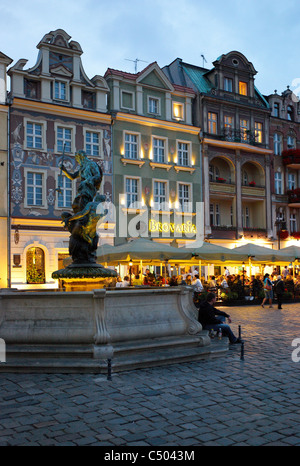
(83, 277)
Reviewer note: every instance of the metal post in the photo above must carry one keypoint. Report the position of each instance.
(240, 333)
(242, 351)
(109, 369)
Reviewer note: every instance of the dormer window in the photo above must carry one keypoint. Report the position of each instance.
(228, 85)
(178, 111)
(243, 88)
(153, 105)
(276, 110)
(60, 90)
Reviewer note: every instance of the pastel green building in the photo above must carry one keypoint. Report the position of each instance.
(156, 157)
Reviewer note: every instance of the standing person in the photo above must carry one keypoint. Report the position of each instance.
(226, 272)
(267, 290)
(279, 290)
(212, 319)
(285, 272)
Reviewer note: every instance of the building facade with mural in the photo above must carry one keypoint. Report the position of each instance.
(56, 111)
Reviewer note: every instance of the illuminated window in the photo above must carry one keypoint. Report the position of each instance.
(243, 88)
(35, 266)
(244, 129)
(178, 111)
(258, 132)
(212, 123)
(228, 127)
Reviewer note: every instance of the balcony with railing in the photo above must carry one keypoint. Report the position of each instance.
(291, 158)
(237, 135)
(293, 197)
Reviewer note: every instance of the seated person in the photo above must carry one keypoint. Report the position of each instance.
(198, 287)
(208, 320)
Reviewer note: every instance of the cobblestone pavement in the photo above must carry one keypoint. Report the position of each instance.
(226, 401)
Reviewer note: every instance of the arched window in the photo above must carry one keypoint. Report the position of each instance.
(35, 266)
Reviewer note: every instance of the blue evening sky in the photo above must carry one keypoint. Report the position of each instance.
(109, 32)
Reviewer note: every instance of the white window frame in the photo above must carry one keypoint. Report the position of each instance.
(189, 152)
(214, 214)
(293, 223)
(73, 190)
(158, 100)
(138, 144)
(166, 202)
(291, 181)
(136, 204)
(44, 181)
(165, 148)
(67, 90)
(100, 143)
(291, 142)
(228, 81)
(278, 184)
(187, 206)
(214, 172)
(43, 136)
(180, 106)
(73, 132)
(124, 91)
(277, 143)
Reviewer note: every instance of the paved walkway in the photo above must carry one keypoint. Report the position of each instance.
(219, 402)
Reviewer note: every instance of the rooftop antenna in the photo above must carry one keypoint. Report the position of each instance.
(204, 60)
(136, 62)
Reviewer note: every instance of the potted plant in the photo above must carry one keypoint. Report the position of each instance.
(220, 180)
(252, 183)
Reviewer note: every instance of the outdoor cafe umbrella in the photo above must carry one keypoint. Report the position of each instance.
(141, 249)
(289, 254)
(256, 253)
(213, 252)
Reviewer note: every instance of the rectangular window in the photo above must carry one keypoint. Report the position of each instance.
(228, 127)
(66, 194)
(243, 88)
(293, 223)
(258, 132)
(34, 189)
(159, 150)
(34, 135)
(246, 217)
(276, 109)
(278, 183)
(60, 90)
(244, 129)
(214, 214)
(127, 100)
(64, 139)
(177, 109)
(228, 85)
(153, 105)
(184, 197)
(291, 181)
(212, 123)
(131, 146)
(183, 153)
(277, 144)
(92, 143)
(132, 192)
(160, 195)
(291, 142)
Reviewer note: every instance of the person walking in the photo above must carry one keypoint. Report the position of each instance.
(279, 290)
(268, 290)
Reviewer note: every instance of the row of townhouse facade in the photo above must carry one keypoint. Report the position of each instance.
(186, 153)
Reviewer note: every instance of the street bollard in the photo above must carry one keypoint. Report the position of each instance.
(240, 332)
(242, 351)
(109, 369)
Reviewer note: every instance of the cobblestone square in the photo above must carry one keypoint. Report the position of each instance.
(225, 401)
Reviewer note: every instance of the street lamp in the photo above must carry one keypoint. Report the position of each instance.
(130, 271)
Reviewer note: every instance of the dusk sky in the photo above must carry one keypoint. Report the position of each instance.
(267, 32)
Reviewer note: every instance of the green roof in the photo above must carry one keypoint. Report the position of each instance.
(197, 75)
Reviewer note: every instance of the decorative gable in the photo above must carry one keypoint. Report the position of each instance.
(152, 75)
(61, 71)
